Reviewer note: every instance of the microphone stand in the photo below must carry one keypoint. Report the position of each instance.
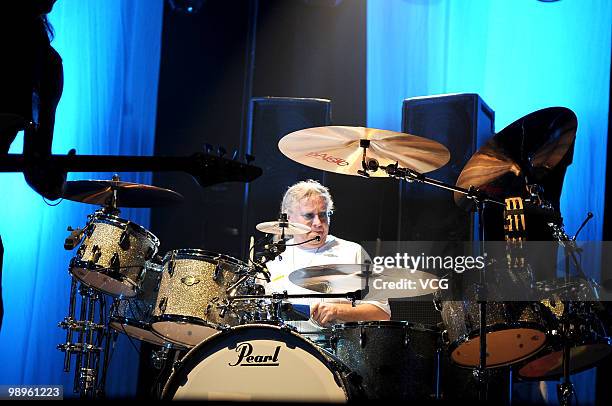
(566, 390)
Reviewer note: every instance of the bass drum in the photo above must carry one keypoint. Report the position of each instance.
(258, 362)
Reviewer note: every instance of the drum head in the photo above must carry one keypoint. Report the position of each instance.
(138, 332)
(550, 365)
(102, 282)
(182, 330)
(510, 346)
(256, 363)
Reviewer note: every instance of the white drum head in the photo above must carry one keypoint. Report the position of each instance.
(184, 333)
(256, 363)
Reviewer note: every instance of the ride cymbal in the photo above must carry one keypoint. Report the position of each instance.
(339, 149)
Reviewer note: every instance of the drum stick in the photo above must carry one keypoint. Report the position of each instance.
(251, 248)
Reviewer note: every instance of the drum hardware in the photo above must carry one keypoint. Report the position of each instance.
(565, 389)
(89, 344)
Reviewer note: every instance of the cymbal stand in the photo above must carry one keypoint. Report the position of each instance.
(87, 346)
(480, 199)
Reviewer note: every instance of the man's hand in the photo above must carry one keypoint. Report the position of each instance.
(325, 314)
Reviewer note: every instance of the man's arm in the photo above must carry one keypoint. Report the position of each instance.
(328, 313)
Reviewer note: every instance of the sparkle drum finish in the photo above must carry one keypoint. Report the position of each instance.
(192, 303)
(577, 302)
(394, 359)
(515, 331)
(113, 253)
(132, 316)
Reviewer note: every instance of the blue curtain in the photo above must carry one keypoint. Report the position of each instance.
(519, 56)
(111, 53)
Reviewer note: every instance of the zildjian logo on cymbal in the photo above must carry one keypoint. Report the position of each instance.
(328, 158)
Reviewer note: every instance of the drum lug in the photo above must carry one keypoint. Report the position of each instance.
(150, 253)
(406, 337)
(333, 342)
(89, 230)
(178, 364)
(362, 337)
(445, 339)
(124, 240)
(81, 250)
(96, 253)
(217, 272)
(171, 266)
(162, 304)
(115, 263)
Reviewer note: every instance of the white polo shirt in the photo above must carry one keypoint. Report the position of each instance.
(334, 251)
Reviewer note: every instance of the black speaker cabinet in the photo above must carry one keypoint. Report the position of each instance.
(462, 123)
(270, 119)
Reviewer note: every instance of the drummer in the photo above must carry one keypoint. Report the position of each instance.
(310, 203)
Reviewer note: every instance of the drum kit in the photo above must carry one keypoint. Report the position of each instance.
(212, 308)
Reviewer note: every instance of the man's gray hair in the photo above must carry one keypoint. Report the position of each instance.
(305, 189)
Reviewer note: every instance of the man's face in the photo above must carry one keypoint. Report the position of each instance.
(311, 211)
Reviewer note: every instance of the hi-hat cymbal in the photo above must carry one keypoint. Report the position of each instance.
(531, 147)
(342, 278)
(279, 228)
(339, 149)
(101, 192)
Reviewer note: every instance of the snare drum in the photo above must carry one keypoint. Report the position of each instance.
(192, 303)
(113, 254)
(259, 363)
(394, 359)
(515, 331)
(132, 316)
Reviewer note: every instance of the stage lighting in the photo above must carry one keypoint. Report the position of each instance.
(186, 6)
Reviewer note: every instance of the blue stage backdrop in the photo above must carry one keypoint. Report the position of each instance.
(520, 56)
(111, 52)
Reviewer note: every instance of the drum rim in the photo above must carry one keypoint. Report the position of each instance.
(383, 323)
(334, 365)
(496, 328)
(76, 264)
(188, 320)
(122, 223)
(557, 376)
(145, 327)
(198, 253)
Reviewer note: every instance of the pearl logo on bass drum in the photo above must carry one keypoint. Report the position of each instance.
(247, 359)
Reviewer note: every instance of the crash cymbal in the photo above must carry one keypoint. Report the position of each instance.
(100, 192)
(339, 149)
(529, 147)
(278, 228)
(342, 278)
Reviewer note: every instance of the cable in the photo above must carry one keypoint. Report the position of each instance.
(52, 204)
